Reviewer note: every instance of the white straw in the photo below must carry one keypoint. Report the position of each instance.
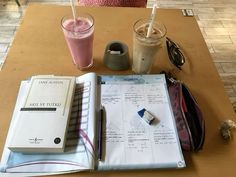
(152, 17)
(73, 9)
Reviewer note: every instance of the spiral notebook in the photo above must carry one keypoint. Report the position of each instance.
(125, 135)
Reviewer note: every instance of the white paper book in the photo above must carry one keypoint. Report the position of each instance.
(43, 118)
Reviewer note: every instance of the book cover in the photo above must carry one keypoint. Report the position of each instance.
(43, 118)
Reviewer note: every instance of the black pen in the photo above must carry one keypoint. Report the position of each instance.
(100, 136)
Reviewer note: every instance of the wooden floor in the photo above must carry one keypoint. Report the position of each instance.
(216, 19)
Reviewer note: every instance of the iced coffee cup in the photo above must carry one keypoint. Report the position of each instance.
(79, 34)
(146, 47)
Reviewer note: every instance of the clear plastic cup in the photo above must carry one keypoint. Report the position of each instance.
(145, 48)
(79, 36)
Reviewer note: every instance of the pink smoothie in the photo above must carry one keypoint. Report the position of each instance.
(79, 37)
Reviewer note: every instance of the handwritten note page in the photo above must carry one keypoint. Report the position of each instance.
(129, 141)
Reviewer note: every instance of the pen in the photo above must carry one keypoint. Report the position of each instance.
(100, 135)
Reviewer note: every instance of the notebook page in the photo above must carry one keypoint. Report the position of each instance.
(130, 142)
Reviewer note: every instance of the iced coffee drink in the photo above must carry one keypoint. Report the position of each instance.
(146, 47)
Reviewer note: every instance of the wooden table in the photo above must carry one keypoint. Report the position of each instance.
(39, 48)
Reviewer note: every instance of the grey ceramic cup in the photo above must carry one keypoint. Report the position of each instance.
(116, 56)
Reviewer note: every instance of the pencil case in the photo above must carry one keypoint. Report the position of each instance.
(188, 116)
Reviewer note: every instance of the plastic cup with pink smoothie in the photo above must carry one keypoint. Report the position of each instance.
(79, 34)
